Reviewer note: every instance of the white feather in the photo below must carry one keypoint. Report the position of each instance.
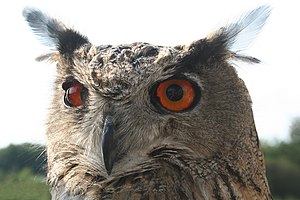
(242, 33)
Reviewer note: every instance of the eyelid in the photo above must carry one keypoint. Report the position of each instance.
(68, 82)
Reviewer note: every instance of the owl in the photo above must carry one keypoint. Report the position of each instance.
(141, 121)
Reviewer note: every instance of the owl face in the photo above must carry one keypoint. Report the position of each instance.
(125, 101)
(133, 85)
(116, 108)
(168, 89)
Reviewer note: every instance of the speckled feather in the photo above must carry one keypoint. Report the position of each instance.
(210, 151)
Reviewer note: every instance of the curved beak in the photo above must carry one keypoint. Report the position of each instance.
(108, 143)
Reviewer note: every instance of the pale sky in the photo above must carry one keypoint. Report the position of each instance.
(26, 85)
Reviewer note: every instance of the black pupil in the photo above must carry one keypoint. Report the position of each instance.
(174, 92)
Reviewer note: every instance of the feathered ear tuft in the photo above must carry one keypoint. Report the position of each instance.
(241, 34)
(53, 33)
(228, 41)
(238, 36)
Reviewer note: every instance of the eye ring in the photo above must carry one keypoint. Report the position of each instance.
(75, 94)
(175, 94)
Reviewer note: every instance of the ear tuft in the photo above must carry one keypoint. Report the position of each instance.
(240, 35)
(228, 41)
(53, 33)
(70, 40)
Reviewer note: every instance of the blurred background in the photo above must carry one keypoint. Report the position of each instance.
(26, 85)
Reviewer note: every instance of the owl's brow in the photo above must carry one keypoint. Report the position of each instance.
(184, 64)
(198, 52)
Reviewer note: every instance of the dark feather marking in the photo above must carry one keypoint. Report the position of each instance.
(230, 189)
(205, 50)
(235, 173)
(72, 166)
(217, 192)
(148, 51)
(255, 186)
(201, 53)
(97, 178)
(69, 41)
(120, 183)
(248, 59)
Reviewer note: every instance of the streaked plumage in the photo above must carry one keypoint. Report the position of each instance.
(116, 130)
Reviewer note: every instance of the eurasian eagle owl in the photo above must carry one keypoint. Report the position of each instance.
(141, 121)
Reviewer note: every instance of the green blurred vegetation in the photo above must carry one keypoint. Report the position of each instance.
(22, 173)
(23, 185)
(283, 165)
(22, 169)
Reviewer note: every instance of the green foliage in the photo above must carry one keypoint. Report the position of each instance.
(23, 185)
(284, 178)
(22, 174)
(17, 157)
(295, 130)
(283, 165)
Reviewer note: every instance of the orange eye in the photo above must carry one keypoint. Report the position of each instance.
(176, 94)
(75, 94)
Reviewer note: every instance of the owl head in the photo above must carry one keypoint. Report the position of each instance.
(131, 107)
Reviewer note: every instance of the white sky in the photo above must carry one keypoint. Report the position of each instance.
(26, 85)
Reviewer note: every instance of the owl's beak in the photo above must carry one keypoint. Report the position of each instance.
(108, 144)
